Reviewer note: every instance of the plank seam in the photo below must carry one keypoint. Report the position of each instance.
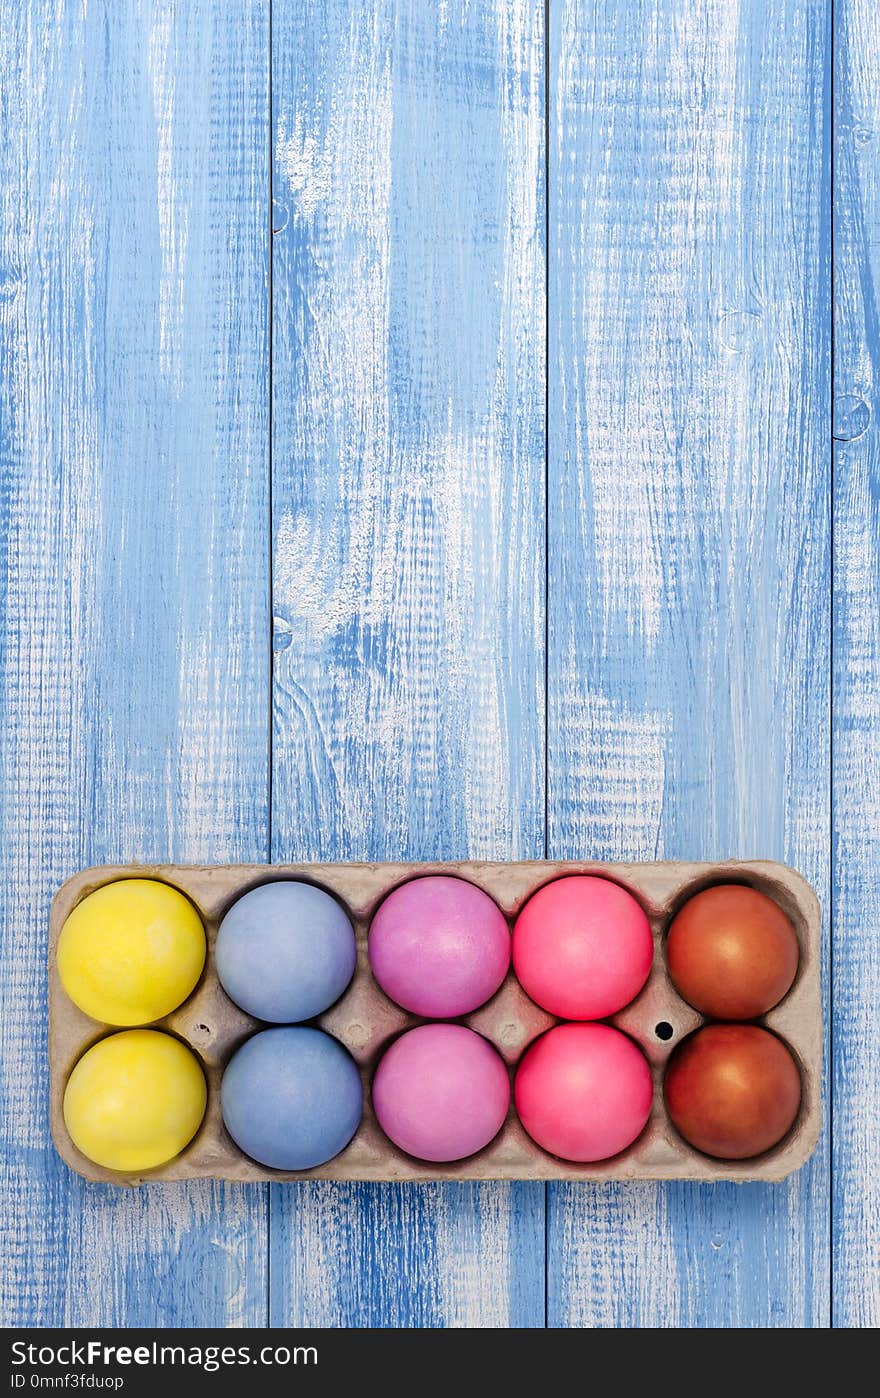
(270, 329)
(546, 57)
(832, 861)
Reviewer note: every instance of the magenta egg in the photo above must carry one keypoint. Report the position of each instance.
(584, 1091)
(439, 946)
(582, 947)
(441, 1092)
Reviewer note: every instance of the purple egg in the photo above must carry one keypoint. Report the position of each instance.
(439, 946)
(441, 1092)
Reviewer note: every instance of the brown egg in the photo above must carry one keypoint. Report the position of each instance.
(732, 952)
(732, 1090)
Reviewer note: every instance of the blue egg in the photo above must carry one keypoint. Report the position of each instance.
(291, 1098)
(285, 951)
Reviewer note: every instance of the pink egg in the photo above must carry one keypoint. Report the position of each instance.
(582, 947)
(583, 1091)
(439, 946)
(441, 1092)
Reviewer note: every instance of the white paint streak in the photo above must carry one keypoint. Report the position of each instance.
(473, 1277)
(306, 166)
(173, 212)
(618, 769)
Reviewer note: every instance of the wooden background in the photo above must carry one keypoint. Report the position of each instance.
(415, 442)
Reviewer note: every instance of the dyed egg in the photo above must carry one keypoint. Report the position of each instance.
(584, 1091)
(439, 946)
(291, 1098)
(134, 1100)
(131, 952)
(732, 952)
(441, 1092)
(582, 947)
(732, 1090)
(285, 951)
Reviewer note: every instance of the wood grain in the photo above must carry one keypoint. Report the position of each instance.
(688, 365)
(856, 648)
(408, 545)
(133, 463)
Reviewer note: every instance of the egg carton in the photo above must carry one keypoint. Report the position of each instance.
(366, 1021)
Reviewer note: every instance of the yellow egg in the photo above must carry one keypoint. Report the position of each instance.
(131, 952)
(135, 1100)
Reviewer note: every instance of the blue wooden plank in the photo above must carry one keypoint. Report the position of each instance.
(133, 464)
(856, 816)
(689, 562)
(409, 528)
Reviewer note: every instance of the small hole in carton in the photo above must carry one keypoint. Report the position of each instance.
(203, 1029)
(664, 1030)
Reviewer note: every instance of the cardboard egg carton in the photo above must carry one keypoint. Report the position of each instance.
(366, 1022)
